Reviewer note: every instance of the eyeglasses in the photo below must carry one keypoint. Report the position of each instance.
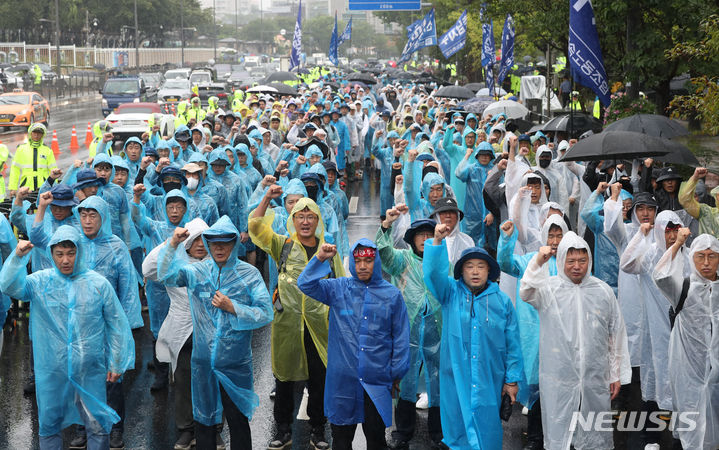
(175, 208)
(706, 257)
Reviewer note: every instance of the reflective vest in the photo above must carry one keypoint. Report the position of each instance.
(597, 113)
(31, 166)
(575, 105)
(195, 113)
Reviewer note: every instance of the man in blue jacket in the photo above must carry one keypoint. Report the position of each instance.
(368, 345)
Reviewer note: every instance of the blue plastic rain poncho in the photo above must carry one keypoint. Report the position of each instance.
(213, 189)
(176, 155)
(694, 344)
(7, 246)
(133, 166)
(79, 333)
(425, 317)
(201, 204)
(583, 351)
(253, 176)
(474, 174)
(384, 153)
(330, 199)
(297, 170)
(368, 339)
(456, 153)
(221, 341)
(156, 233)
(289, 359)
(480, 352)
(639, 258)
(116, 198)
(107, 255)
(528, 318)
(186, 153)
(236, 189)
(420, 208)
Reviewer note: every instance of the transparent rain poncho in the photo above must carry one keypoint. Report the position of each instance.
(221, 341)
(583, 351)
(694, 344)
(425, 317)
(79, 333)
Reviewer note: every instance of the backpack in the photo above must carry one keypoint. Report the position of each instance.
(674, 312)
(281, 265)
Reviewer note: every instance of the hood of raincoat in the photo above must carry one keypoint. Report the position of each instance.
(195, 227)
(313, 150)
(467, 131)
(197, 157)
(542, 149)
(569, 241)
(471, 116)
(430, 180)
(543, 194)
(137, 141)
(554, 219)
(104, 158)
(320, 170)
(376, 270)
(68, 233)
(294, 187)
(201, 129)
(217, 154)
(165, 145)
(660, 226)
(257, 136)
(176, 193)
(701, 243)
(246, 150)
(299, 206)
(117, 161)
(223, 226)
(172, 143)
(102, 208)
(544, 211)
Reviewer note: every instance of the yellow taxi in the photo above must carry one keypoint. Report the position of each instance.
(21, 109)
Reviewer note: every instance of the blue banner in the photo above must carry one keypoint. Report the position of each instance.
(585, 54)
(454, 39)
(489, 78)
(332, 55)
(297, 41)
(346, 34)
(507, 49)
(422, 33)
(488, 55)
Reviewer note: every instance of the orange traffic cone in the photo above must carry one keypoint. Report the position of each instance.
(88, 135)
(74, 145)
(55, 146)
(174, 112)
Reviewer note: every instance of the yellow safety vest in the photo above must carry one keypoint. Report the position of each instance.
(31, 166)
(597, 113)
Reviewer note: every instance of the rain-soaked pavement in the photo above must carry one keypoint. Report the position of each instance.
(149, 422)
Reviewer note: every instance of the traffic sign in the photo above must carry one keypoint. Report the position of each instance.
(388, 5)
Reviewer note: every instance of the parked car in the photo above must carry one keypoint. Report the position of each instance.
(152, 79)
(125, 89)
(177, 73)
(173, 91)
(133, 119)
(22, 109)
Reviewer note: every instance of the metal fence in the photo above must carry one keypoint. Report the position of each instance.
(79, 83)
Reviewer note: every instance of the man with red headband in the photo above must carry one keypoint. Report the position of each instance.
(368, 345)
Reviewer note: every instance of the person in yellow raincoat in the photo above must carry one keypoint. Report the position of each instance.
(300, 326)
(98, 132)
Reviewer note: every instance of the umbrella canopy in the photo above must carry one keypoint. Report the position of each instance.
(314, 141)
(283, 89)
(581, 123)
(262, 89)
(281, 76)
(474, 87)
(363, 77)
(535, 128)
(354, 84)
(476, 105)
(513, 110)
(651, 124)
(484, 92)
(617, 145)
(303, 71)
(680, 154)
(454, 92)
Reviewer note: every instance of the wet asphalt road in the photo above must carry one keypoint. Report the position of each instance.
(149, 416)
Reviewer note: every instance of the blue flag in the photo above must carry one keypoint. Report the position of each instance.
(585, 54)
(507, 49)
(488, 55)
(332, 55)
(489, 78)
(297, 41)
(454, 39)
(346, 34)
(420, 34)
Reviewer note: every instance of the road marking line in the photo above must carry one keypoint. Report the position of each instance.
(353, 205)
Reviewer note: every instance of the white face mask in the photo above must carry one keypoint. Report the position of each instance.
(192, 183)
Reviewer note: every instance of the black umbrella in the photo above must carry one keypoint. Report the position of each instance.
(582, 122)
(355, 83)
(332, 85)
(283, 89)
(680, 154)
(618, 145)
(303, 71)
(280, 76)
(474, 87)
(314, 141)
(476, 105)
(651, 124)
(363, 77)
(454, 92)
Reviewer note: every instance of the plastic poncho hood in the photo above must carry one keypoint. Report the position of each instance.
(572, 241)
(376, 278)
(223, 227)
(312, 206)
(553, 220)
(660, 225)
(69, 233)
(102, 208)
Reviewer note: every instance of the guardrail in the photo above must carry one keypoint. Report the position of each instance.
(77, 84)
